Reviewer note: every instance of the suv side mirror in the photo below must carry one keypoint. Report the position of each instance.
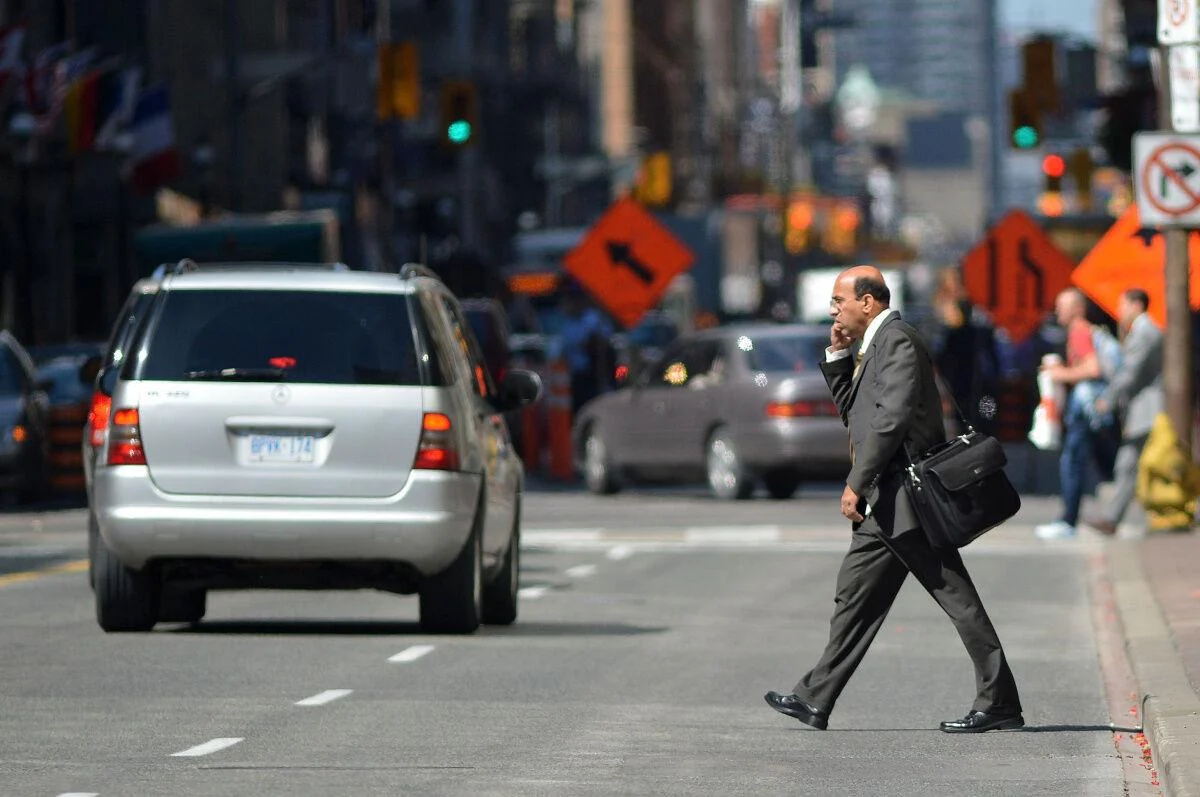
(519, 388)
(90, 370)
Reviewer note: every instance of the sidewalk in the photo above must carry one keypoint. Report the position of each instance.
(1156, 584)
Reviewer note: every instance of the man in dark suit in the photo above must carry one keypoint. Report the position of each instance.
(888, 398)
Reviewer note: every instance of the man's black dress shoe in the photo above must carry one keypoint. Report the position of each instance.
(795, 707)
(980, 721)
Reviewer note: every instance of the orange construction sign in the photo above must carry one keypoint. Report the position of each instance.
(627, 260)
(1132, 256)
(1014, 273)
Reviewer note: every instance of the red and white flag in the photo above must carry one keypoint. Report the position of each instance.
(153, 157)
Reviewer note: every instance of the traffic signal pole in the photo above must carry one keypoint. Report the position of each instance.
(1177, 342)
(468, 159)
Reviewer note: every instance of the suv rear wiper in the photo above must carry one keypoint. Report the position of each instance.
(235, 374)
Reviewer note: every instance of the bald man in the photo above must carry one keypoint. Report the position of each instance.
(887, 397)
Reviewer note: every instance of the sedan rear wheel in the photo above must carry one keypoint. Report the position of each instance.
(727, 476)
(598, 470)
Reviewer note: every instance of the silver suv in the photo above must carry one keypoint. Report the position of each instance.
(291, 427)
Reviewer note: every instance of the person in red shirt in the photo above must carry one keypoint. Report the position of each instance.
(1082, 367)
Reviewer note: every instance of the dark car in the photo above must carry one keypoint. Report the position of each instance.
(24, 433)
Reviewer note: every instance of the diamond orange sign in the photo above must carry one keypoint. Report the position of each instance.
(1132, 256)
(627, 260)
(1014, 273)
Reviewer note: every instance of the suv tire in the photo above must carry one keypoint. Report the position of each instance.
(452, 601)
(500, 594)
(126, 599)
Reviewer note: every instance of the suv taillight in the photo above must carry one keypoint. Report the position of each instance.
(436, 450)
(97, 419)
(125, 439)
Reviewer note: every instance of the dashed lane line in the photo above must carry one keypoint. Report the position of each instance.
(328, 696)
(209, 747)
(581, 571)
(619, 552)
(79, 794)
(411, 653)
(532, 593)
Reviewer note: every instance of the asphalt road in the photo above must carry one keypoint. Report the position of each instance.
(649, 632)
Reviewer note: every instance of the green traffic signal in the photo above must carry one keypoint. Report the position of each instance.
(1025, 137)
(459, 132)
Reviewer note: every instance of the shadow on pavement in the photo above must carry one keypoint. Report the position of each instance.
(271, 627)
(1077, 728)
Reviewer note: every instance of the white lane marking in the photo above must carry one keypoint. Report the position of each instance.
(619, 552)
(210, 746)
(532, 593)
(79, 794)
(548, 536)
(328, 696)
(755, 534)
(581, 571)
(411, 654)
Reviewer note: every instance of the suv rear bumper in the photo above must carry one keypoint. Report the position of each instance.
(139, 522)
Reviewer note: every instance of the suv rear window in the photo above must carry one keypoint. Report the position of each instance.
(298, 336)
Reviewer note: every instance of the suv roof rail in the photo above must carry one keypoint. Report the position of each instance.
(410, 270)
(187, 266)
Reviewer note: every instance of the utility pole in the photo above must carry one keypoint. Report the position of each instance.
(1177, 342)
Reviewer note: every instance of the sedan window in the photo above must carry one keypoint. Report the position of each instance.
(777, 353)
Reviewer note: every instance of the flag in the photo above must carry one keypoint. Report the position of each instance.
(39, 80)
(80, 111)
(117, 99)
(153, 158)
(63, 69)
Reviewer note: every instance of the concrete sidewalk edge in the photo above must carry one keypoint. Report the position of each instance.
(1170, 707)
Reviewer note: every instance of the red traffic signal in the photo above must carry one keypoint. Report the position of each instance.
(1054, 166)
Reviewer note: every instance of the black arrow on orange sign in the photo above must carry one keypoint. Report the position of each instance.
(622, 255)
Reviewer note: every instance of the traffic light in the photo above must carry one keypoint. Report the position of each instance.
(1082, 169)
(1025, 123)
(1054, 167)
(841, 230)
(399, 95)
(798, 225)
(1040, 84)
(653, 187)
(460, 111)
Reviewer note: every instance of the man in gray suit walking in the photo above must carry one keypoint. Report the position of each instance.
(888, 398)
(1136, 393)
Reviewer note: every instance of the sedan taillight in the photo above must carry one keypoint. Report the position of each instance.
(125, 439)
(802, 409)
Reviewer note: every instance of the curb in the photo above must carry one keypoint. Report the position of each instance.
(1170, 708)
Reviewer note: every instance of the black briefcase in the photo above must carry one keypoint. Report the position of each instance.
(959, 489)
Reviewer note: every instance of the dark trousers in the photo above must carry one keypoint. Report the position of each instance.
(867, 585)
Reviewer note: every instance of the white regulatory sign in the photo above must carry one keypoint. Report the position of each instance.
(1167, 179)
(1185, 87)
(1177, 22)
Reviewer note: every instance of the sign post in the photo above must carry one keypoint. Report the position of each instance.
(1178, 27)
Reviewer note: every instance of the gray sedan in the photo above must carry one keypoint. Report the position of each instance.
(735, 406)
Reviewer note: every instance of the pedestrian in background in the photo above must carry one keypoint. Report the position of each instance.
(888, 398)
(586, 346)
(1136, 394)
(965, 348)
(1083, 376)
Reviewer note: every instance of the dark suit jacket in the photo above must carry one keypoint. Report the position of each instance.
(894, 400)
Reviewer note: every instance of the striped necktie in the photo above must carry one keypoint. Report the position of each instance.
(858, 358)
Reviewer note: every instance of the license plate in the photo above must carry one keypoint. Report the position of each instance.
(281, 448)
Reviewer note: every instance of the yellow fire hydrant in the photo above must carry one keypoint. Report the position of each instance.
(1168, 483)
